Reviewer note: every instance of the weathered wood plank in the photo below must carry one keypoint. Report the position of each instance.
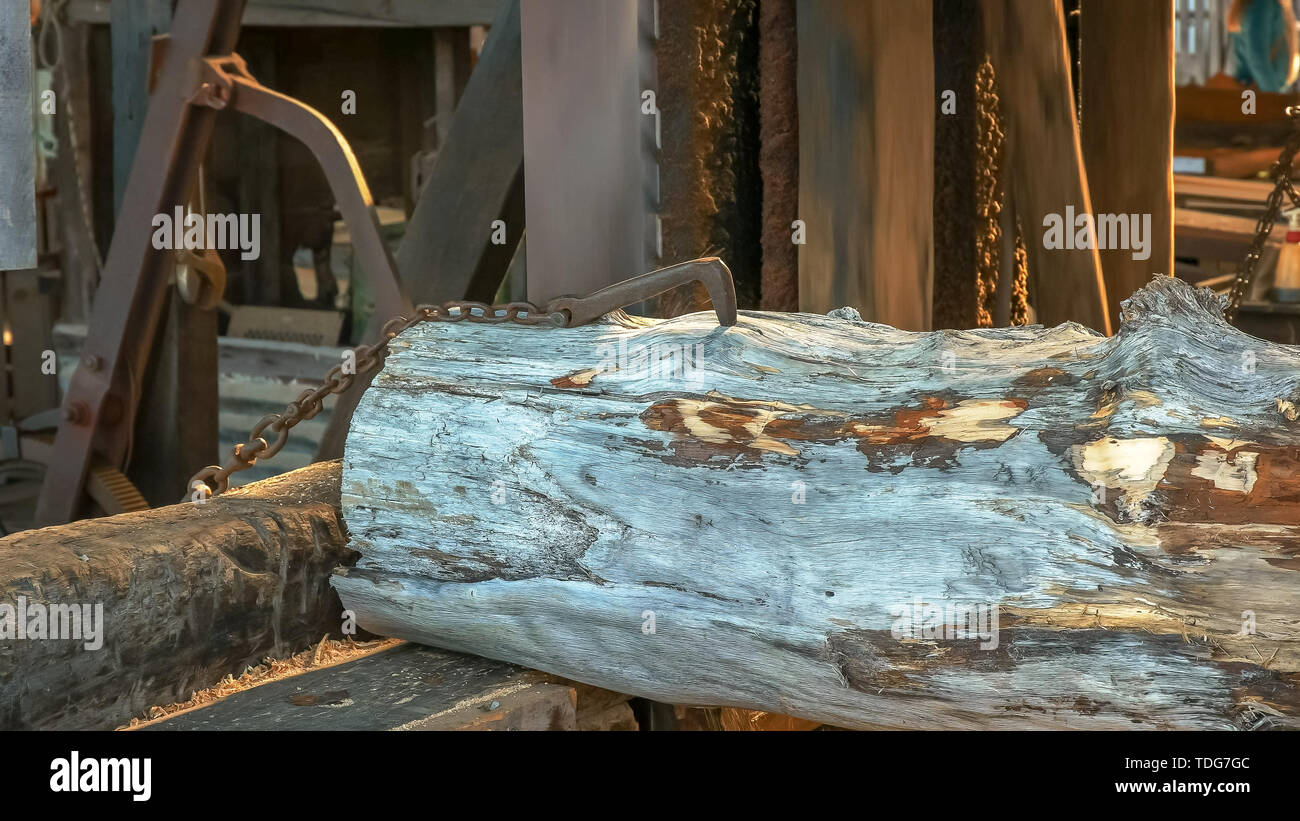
(587, 212)
(1127, 126)
(866, 170)
(755, 531)
(189, 594)
(134, 24)
(17, 153)
(1201, 234)
(1026, 43)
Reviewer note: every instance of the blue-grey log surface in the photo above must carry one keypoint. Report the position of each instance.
(754, 532)
(17, 150)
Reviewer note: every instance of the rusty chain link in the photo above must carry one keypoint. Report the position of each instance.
(1282, 187)
(214, 480)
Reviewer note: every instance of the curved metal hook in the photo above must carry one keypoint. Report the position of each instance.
(710, 272)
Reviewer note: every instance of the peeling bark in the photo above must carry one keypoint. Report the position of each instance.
(779, 510)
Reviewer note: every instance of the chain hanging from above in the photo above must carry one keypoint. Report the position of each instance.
(1280, 173)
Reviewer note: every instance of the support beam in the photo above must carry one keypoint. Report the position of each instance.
(1127, 123)
(17, 152)
(447, 252)
(1045, 172)
(583, 146)
(778, 49)
(133, 24)
(866, 170)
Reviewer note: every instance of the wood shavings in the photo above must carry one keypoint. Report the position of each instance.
(327, 652)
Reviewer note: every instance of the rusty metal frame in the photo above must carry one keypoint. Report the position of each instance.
(199, 75)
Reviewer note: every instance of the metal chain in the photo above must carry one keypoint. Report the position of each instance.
(214, 480)
(1282, 187)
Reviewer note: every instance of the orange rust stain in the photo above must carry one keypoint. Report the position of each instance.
(577, 379)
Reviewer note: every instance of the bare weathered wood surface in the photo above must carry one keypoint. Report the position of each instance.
(755, 531)
(190, 593)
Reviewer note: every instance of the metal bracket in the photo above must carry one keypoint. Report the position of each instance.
(199, 75)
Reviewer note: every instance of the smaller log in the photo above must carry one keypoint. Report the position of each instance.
(188, 594)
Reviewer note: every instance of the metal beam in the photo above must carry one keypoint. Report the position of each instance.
(129, 304)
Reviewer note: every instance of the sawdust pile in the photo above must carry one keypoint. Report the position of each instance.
(328, 652)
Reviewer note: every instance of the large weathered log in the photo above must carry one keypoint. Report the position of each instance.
(767, 527)
(165, 601)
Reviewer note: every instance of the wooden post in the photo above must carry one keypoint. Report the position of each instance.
(778, 49)
(1127, 122)
(958, 52)
(447, 252)
(259, 182)
(133, 25)
(866, 169)
(73, 174)
(1026, 43)
(583, 146)
(17, 154)
(176, 429)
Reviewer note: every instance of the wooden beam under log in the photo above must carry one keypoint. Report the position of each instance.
(836, 520)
